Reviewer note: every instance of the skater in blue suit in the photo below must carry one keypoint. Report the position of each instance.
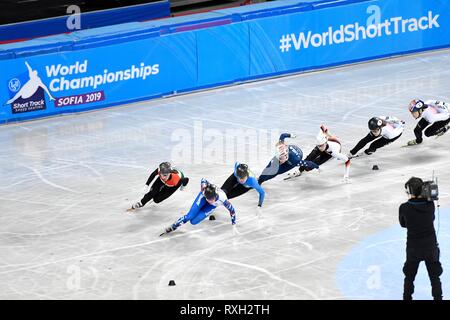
(241, 181)
(208, 199)
(287, 158)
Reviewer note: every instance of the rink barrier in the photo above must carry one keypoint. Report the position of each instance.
(51, 26)
(109, 66)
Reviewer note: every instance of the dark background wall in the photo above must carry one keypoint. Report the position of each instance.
(12, 11)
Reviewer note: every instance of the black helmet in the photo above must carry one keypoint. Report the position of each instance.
(165, 168)
(375, 123)
(210, 192)
(242, 171)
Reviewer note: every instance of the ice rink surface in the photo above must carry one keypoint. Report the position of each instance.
(67, 181)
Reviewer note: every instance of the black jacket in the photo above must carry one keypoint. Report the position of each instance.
(417, 215)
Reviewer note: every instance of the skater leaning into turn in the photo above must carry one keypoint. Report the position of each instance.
(287, 158)
(433, 114)
(169, 180)
(327, 147)
(384, 130)
(241, 181)
(204, 204)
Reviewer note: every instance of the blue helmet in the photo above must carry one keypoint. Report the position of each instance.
(416, 105)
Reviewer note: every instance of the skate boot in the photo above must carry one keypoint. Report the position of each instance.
(174, 226)
(169, 230)
(293, 175)
(412, 142)
(135, 206)
(297, 173)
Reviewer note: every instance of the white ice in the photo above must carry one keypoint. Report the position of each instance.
(67, 181)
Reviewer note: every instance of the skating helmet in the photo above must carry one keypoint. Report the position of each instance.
(165, 168)
(321, 139)
(242, 171)
(375, 123)
(416, 105)
(210, 192)
(282, 152)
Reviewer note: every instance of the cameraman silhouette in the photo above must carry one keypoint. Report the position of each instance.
(417, 216)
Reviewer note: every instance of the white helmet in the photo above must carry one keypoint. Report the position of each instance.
(282, 152)
(321, 139)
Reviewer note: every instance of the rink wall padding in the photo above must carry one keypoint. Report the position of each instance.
(115, 65)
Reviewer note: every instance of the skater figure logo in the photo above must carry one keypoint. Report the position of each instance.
(31, 95)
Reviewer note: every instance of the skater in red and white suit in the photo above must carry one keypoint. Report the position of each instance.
(327, 147)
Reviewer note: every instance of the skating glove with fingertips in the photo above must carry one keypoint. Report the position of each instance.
(233, 219)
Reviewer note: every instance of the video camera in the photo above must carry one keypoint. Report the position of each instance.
(430, 190)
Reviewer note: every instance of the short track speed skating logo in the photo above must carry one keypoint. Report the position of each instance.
(31, 95)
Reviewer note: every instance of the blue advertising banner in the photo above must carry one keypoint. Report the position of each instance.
(87, 79)
(346, 33)
(223, 54)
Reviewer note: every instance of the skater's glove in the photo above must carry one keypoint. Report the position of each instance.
(233, 218)
(146, 189)
(203, 184)
(293, 136)
(440, 104)
(346, 179)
